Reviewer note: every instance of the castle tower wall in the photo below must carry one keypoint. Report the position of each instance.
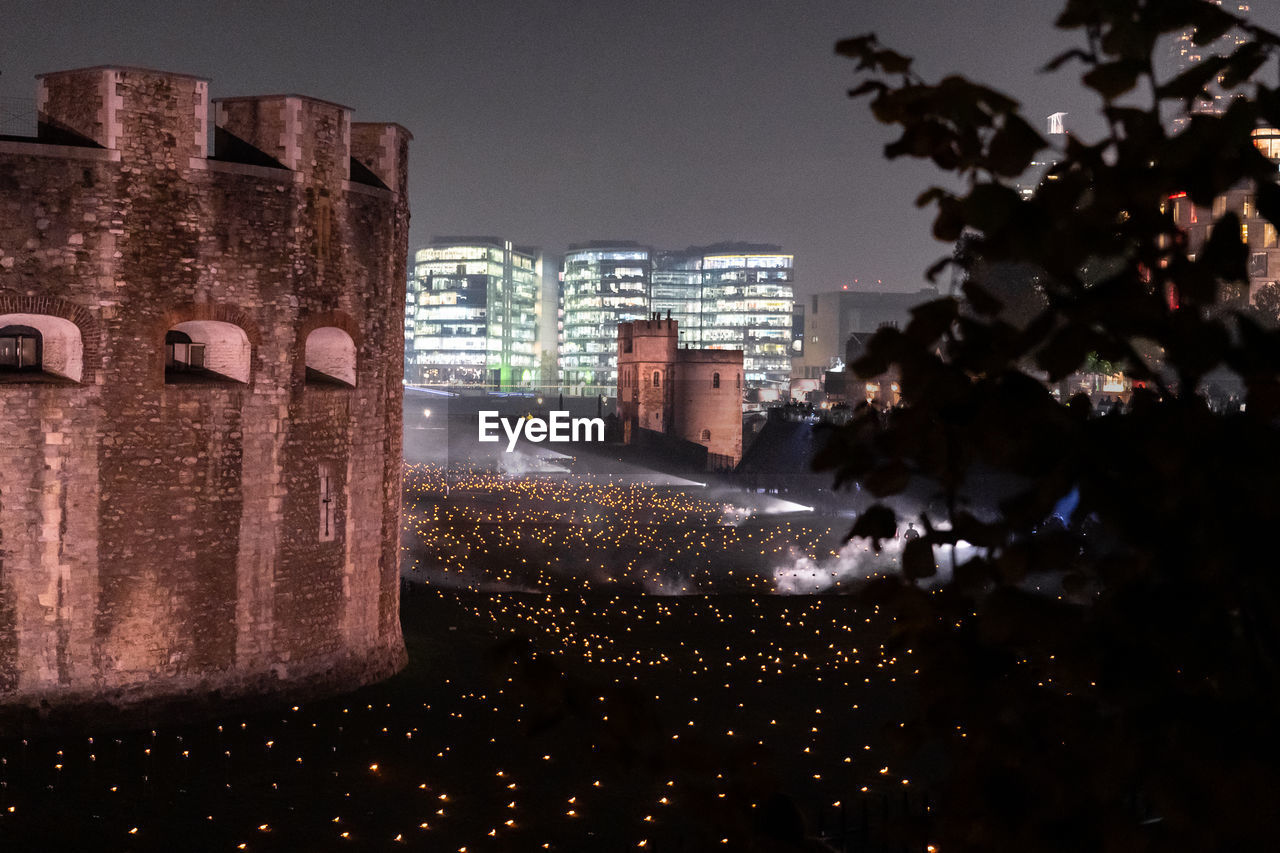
(166, 533)
(695, 395)
(306, 135)
(646, 371)
(708, 401)
(148, 116)
(384, 150)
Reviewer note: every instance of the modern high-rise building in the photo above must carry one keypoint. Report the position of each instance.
(677, 292)
(472, 314)
(1256, 232)
(730, 296)
(747, 302)
(1186, 53)
(830, 319)
(603, 284)
(1048, 158)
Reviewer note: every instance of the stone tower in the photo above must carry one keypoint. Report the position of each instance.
(200, 394)
(690, 394)
(646, 375)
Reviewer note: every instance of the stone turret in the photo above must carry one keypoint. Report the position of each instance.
(200, 395)
(695, 395)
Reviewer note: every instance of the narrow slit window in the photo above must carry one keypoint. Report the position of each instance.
(327, 498)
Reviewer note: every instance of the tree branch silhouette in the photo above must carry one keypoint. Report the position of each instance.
(1106, 683)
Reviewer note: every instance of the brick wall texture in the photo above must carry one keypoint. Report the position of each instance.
(687, 401)
(163, 539)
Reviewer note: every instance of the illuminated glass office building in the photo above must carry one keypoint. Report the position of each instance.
(603, 284)
(677, 290)
(727, 296)
(1187, 54)
(472, 314)
(747, 303)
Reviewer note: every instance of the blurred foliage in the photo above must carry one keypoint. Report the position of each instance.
(1108, 683)
(1266, 304)
(1094, 364)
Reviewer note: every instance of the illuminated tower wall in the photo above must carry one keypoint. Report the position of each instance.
(200, 425)
(690, 394)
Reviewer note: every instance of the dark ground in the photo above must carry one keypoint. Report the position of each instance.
(552, 700)
(523, 722)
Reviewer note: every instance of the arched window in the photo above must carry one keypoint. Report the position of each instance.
(706, 433)
(206, 351)
(656, 381)
(715, 380)
(36, 347)
(20, 349)
(180, 354)
(331, 358)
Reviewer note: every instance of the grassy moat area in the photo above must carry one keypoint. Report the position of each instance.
(543, 707)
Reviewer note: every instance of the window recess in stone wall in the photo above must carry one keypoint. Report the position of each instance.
(206, 351)
(331, 358)
(40, 348)
(324, 225)
(327, 503)
(20, 349)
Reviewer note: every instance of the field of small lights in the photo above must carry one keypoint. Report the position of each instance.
(586, 533)
(594, 665)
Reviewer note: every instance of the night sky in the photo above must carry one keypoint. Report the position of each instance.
(549, 122)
